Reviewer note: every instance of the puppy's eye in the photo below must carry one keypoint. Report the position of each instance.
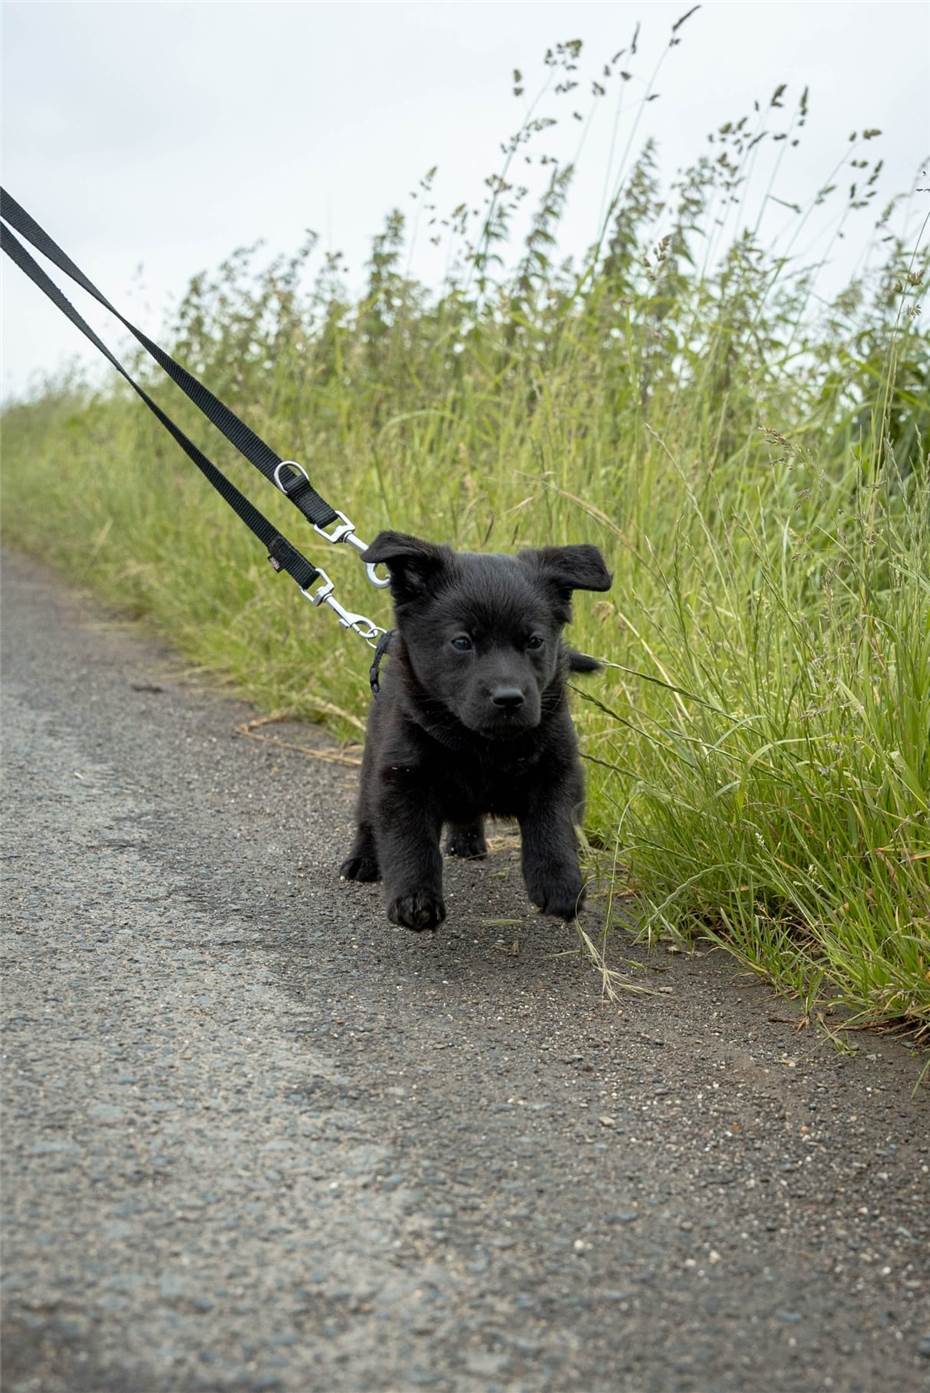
(535, 641)
(462, 642)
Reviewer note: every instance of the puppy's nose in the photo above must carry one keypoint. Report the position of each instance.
(508, 698)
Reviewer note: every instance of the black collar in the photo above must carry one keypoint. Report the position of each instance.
(384, 643)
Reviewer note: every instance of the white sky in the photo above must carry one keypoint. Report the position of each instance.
(163, 135)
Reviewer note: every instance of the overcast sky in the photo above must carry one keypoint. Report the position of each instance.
(162, 135)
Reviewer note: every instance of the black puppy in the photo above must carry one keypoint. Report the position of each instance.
(472, 719)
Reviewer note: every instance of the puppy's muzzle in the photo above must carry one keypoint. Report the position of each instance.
(507, 699)
(507, 711)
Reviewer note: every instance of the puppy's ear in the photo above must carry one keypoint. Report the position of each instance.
(414, 566)
(570, 568)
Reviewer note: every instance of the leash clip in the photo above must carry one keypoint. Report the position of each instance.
(343, 531)
(359, 623)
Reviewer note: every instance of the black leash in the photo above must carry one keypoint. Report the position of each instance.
(286, 475)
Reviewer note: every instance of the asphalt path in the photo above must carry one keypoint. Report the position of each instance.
(258, 1139)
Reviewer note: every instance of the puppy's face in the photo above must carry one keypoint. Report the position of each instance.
(483, 633)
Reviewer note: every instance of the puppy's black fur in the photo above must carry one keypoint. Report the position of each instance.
(472, 719)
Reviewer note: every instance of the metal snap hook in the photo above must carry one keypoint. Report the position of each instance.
(359, 623)
(347, 533)
(371, 567)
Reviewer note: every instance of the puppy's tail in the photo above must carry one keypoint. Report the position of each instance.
(580, 662)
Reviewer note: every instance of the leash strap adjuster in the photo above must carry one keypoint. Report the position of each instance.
(285, 557)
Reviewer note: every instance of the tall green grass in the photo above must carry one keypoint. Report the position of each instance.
(751, 458)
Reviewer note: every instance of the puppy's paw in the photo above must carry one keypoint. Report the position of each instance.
(466, 843)
(423, 909)
(364, 867)
(563, 899)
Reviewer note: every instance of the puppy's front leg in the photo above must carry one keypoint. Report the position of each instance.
(407, 832)
(550, 860)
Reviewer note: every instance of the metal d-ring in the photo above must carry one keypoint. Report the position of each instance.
(290, 464)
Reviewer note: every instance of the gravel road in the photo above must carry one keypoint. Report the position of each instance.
(257, 1139)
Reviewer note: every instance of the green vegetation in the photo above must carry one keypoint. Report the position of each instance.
(752, 459)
